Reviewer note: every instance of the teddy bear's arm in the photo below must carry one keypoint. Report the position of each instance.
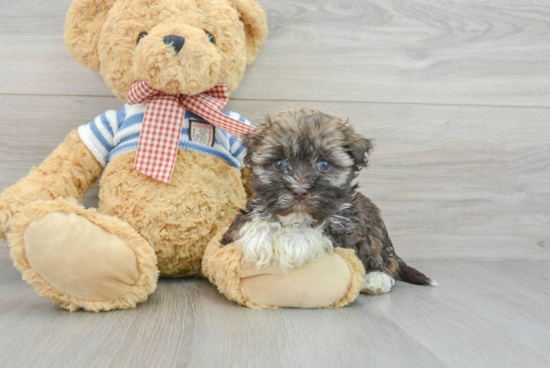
(69, 171)
(247, 180)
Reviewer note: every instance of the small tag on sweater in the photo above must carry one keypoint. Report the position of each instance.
(202, 132)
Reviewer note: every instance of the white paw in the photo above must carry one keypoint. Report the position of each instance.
(256, 241)
(377, 283)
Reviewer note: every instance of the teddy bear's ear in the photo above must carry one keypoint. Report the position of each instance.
(84, 21)
(255, 26)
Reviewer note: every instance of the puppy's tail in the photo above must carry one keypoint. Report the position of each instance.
(412, 275)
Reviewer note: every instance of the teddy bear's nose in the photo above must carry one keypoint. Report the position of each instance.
(176, 42)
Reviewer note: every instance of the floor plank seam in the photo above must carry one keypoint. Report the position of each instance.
(311, 101)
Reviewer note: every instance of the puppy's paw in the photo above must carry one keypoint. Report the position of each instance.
(257, 241)
(377, 283)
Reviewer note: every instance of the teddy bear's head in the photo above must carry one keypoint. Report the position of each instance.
(177, 46)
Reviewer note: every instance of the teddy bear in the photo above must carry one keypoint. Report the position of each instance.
(169, 161)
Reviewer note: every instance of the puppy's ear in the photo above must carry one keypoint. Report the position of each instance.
(252, 140)
(357, 147)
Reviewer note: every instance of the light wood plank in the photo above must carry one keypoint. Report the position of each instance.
(469, 320)
(452, 182)
(33, 55)
(425, 51)
(493, 303)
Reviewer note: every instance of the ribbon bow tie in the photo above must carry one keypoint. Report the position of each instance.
(163, 120)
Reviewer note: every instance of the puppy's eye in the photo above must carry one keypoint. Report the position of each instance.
(279, 165)
(324, 165)
(141, 36)
(210, 37)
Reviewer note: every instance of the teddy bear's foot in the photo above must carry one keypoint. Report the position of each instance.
(377, 282)
(79, 258)
(332, 281)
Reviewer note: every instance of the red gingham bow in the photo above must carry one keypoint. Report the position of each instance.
(164, 114)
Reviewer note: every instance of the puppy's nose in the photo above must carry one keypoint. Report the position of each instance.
(299, 193)
(177, 42)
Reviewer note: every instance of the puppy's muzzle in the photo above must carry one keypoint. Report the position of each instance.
(299, 193)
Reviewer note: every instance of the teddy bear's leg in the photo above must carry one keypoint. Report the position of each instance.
(79, 258)
(377, 282)
(333, 281)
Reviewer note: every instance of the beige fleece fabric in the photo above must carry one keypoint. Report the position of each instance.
(79, 258)
(335, 280)
(75, 260)
(313, 285)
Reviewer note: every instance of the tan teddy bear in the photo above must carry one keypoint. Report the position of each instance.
(111, 257)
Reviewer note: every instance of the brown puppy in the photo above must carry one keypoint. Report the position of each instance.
(302, 166)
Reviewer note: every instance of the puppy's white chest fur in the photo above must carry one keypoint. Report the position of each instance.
(288, 244)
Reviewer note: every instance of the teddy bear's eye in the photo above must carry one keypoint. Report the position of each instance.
(210, 37)
(141, 36)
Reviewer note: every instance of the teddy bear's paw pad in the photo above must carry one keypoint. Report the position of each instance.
(315, 284)
(79, 258)
(377, 282)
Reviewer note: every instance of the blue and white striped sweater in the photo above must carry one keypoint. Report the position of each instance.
(117, 132)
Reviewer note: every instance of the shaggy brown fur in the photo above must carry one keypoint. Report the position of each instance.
(316, 156)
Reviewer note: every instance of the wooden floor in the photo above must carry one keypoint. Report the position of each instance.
(483, 314)
(456, 95)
